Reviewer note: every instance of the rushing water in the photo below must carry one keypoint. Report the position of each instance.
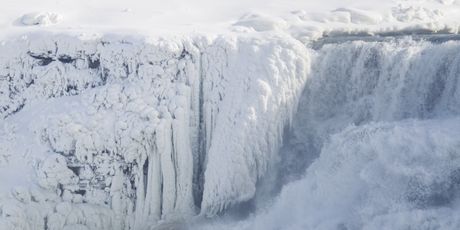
(375, 143)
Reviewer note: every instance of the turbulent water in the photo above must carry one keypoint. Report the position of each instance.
(235, 133)
(375, 143)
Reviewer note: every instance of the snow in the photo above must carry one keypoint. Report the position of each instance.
(151, 114)
(45, 18)
(301, 19)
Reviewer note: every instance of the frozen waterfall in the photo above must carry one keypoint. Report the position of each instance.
(119, 133)
(122, 134)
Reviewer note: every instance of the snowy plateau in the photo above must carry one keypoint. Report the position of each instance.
(229, 115)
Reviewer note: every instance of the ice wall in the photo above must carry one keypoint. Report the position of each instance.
(120, 133)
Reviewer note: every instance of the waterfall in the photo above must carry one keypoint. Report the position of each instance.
(123, 134)
(374, 143)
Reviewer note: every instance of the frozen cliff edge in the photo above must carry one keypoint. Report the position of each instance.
(121, 133)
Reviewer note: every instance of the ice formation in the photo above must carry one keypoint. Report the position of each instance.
(126, 133)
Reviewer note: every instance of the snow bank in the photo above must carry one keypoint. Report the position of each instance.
(304, 20)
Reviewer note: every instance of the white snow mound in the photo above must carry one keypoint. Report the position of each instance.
(40, 18)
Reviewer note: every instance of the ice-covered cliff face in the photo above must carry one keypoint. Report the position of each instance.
(378, 131)
(119, 133)
(127, 134)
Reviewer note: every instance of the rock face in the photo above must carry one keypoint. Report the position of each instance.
(119, 133)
